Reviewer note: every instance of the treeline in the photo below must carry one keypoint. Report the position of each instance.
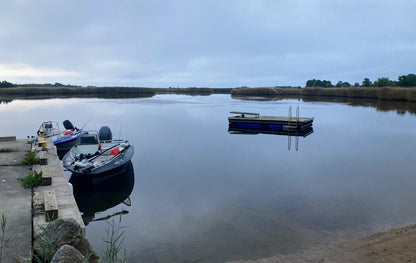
(5, 84)
(408, 80)
(46, 85)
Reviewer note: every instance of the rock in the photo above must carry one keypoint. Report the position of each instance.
(63, 232)
(68, 254)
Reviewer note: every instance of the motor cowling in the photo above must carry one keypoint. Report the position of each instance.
(68, 125)
(105, 134)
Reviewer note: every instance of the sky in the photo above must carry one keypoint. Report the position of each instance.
(211, 43)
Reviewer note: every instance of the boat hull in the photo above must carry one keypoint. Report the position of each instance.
(100, 174)
(67, 142)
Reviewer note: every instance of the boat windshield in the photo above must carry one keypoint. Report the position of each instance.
(87, 139)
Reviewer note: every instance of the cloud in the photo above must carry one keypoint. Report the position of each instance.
(17, 72)
(207, 43)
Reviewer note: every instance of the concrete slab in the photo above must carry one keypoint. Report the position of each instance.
(67, 206)
(15, 203)
(19, 147)
(7, 138)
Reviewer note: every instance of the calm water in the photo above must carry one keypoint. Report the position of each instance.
(202, 194)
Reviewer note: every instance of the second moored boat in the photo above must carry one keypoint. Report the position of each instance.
(98, 156)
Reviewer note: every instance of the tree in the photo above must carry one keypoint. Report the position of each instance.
(407, 80)
(310, 83)
(5, 84)
(383, 82)
(367, 83)
(318, 83)
(326, 84)
(345, 84)
(356, 84)
(339, 84)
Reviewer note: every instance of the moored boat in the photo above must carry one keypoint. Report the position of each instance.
(62, 140)
(98, 156)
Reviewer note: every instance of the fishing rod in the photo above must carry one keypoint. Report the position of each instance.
(87, 122)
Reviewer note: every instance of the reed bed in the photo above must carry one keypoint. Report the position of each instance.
(102, 92)
(384, 93)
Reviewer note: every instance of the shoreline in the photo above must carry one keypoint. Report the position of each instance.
(380, 93)
(391, 246)
(373, 93)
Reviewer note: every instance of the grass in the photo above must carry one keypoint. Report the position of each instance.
(115, 250)
(30, 159)
(32, 180)
(6, 150)
(3, 240)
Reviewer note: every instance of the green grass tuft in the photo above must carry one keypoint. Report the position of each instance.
(115, 251)
(32, 180)
(30, 159)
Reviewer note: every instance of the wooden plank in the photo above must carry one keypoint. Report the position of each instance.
(51, 205)
(256, 115)
(46, 176)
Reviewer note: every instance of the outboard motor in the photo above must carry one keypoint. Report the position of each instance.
(68, 125)
(105, 134)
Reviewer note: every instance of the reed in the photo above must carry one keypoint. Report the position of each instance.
(4, 241)
(266, 91)
(103, 92)
(115, 250)
(382, 93)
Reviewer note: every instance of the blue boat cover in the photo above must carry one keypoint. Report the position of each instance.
(69, 138)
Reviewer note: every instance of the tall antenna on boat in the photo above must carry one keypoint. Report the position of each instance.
(87, 122)
(119, 133)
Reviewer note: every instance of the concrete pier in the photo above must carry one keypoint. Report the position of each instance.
(67, 206)
(16, 201)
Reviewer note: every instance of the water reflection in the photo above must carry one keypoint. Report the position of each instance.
(94, 198)
(3, 101)
(400, 107)
(206, 195)
(255, 130)
(304, 133)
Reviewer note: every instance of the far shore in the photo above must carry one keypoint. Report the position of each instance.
(378, 93)
(101, 92)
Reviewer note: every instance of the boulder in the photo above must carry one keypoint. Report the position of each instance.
(68, 254)
(63, 232)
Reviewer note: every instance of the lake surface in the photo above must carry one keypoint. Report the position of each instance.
(200, 194)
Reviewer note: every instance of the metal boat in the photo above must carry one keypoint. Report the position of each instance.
(98, 156)
(62, 140)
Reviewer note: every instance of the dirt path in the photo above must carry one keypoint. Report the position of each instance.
(396, 245)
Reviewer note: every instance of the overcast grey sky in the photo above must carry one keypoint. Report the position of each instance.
(212, 43)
